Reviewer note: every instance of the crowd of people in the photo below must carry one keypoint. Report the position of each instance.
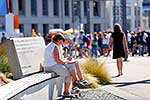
(139, 43)
(96, 44)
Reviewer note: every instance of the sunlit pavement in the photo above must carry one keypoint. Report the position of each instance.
(136, 74)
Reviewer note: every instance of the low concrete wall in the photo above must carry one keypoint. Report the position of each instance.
(40, 86)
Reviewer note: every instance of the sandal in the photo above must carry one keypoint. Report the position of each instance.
(67, 95)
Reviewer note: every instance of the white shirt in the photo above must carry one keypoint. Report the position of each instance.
(105, 40)
(129, 37)
(48, 55)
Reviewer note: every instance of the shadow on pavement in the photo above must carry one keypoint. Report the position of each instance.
(121, 84)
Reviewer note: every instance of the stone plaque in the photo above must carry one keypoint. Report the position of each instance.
(25, 55)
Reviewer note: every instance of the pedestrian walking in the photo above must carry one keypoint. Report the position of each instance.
(148, 43)
(3, 38)
(120, 48)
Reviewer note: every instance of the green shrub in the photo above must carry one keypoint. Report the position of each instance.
(97, 69)
(2, 49)
(4, 66)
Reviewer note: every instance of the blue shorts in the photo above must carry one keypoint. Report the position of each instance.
(104, 45)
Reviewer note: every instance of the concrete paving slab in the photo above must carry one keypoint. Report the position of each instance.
(136, 75)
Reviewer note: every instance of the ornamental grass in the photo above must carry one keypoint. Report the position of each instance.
(97, 70)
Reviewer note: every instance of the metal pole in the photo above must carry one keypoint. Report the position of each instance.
(137, 16)
(62, 15)
(73, 15)
(124, 21)
(124, 16)
(114, 12)
(88, 16)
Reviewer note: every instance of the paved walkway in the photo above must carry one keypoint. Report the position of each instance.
(136, 75)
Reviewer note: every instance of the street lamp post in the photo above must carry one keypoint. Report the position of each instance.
(114, 11)
(76, 16)
(124, 16)
(124, 22)
(136, 15)
(62, 16)
(72, 3)
(88, 16)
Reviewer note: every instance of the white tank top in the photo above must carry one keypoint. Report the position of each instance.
(48, 55)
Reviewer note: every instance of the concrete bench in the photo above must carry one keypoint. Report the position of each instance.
(40, 86)
(25, 56)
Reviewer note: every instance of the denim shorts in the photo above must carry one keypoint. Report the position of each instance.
(104, 45)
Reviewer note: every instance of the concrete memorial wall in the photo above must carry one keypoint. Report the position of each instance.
(25, 55)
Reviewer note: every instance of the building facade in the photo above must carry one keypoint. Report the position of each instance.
(146, 12)
(43, 15)
(94, 15)
(134, 10)
(135, 15)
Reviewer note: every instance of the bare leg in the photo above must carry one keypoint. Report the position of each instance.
(66, 86)
(78, 71)
(119, 65)
(73, 75)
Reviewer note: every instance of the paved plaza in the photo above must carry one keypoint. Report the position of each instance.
(136, 75)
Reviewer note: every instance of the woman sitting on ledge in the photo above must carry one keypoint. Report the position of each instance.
(4, 80)
(68, 69)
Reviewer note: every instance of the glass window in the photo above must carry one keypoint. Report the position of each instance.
(45, 28)
(21, 4)
(76, 8)
(85, 28)
(35, 27)
(137, 11)
(139, 23)
(67, 7)
(56, 7)
(2, 23)
(135, 23)
(33, 7)
(96, 8)
(45, 7)
(85, 8)
(56, 26)
(128, 24)
(67, 26)
(97, 27)
(21, 27)
(128, 11)
(146, 13)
